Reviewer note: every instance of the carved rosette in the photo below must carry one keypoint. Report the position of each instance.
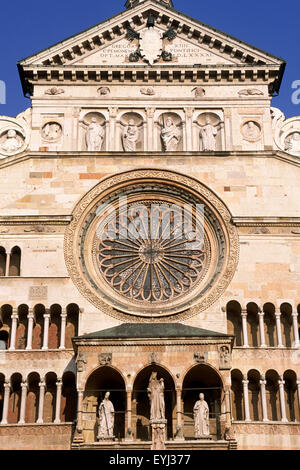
(150, 276)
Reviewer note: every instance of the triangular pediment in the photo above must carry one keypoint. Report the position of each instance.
(190, 42)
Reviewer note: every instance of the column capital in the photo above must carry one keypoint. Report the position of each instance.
(244, 312)
(24, 384)
(42, 384)
(7, 385)
(298, 382)
(30, 314)
(59, 383)
(261, 313)
(46, 314)
(277, 314)
(263, 382)
(15, 315)
(295, 314)
(245, 381)
(281, 381)
(129, 388)
(63, 313)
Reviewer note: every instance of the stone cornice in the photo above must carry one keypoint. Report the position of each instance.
(266, 221)
(33, 219)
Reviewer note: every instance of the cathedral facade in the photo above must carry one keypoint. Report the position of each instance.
(150, 234)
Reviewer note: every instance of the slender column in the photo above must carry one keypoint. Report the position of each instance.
(14, 319)
(129, 436)
(263, 384)
(150, 130)
(179, 434)
(63, 317)
(278, 330)
(281, 383)
(262, 330)
(23, 403)
(244, 325)
(298, 389)
(113, 145)
(46, 330)
(58, 401)
(7, 264)
(296, 331)
(188, 124)
(79, 426)
(5, 402)
(227, 408)
(42, 386)
(246, 399)
(30, 329)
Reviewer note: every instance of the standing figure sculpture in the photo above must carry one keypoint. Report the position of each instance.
(208, 136)
(107, 419)
(94, 136)
(156, 396)
(130, 137)
(201, 417)
(170, 136)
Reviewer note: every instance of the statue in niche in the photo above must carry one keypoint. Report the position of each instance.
(156, 396)
(208, 135)
(107, 418)
(201, 417)
(94, 136)
(170, 135)
(292, 143)
(130, 136)
(11, 143)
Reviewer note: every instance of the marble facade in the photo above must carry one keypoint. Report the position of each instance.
(190, 118)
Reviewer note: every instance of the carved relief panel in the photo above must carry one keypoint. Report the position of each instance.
(92, 132)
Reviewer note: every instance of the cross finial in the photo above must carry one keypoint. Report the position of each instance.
(134, 3)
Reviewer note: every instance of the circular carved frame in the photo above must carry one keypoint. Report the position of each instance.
(113, 185)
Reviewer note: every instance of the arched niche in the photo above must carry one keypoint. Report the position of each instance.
(68, 398)
(252, 325)
(202, 378)
(6, 322)
(131, 126)
(54, 327)
(286, 324)
(93, 132)
(50, 397)
(170, 132)
(21, 333)
(15, 262)
(141, 402)
(2, 261)
(272, 395)
(208, 131)
(37, 334)
(290, 395)
(103, 379)
(234, 321)
(14, 405)
(255, 405)
(237, 398)
(270, 324)
(32, 399)
(72, 324)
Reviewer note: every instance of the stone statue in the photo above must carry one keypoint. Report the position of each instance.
(208, 136)
(201, 417)
(107, 418)
(52, 131)
(94, 136)
(292, 143)
(251, 130)
(130, 136)
(11, 143)
(170, 135)
(156, 396)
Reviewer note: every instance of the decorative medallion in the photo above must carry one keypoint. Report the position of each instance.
(151, 243)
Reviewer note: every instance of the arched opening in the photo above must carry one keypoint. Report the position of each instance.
(102, 380)
(37, 333)
(6, 312)
(54, 327)
(22, 327)
(270, 324)
(202, 379)
(2, 261)
(141, 404)
(3, 340)
(14, 406)
(272, 395)
(32, 400)
(286, 324)
(68, 398)
(254, 395)
(15, 262)
(234, 321)
(252, 325)
(2, 381)
(72, 324)
(290, 395)
(50, 397)
(237, 402)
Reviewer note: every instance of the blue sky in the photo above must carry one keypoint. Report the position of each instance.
(28, 27)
